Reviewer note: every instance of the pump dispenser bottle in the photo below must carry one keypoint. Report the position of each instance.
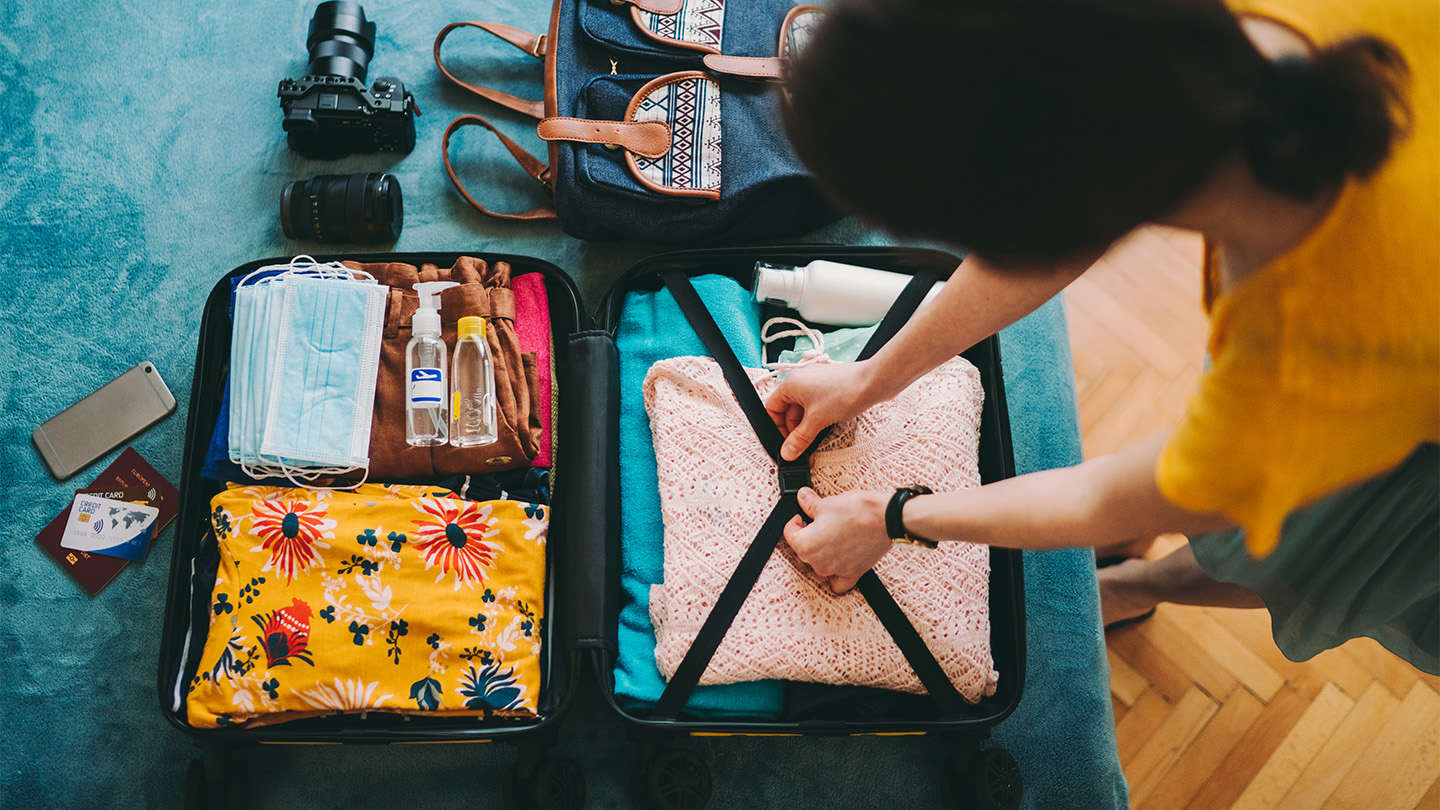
(426, 393)
(832, 293)
(472, 413)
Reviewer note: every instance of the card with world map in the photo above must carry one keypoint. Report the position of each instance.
(111, 527)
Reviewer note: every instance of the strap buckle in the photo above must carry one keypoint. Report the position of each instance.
(794, 477)
(538, 49)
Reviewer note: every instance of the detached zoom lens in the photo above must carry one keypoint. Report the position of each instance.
(362, 207)
(341, 41)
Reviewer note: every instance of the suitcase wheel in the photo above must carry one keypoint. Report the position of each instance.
(556, 784)
(674, 779)
(982, 780)
(226, 787)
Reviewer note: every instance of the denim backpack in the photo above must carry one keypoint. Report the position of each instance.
(662, 120)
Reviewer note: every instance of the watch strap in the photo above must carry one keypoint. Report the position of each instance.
(894, 516)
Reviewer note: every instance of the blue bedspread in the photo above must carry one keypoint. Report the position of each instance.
(142, 160)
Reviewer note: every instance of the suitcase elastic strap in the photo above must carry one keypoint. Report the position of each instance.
(793, 476)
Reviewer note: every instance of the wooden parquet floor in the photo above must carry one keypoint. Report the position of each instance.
(1208, 714)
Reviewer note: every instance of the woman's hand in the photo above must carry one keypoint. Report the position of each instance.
(846, 535)
(815, 397)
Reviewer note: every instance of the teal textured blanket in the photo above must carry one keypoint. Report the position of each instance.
(143, 159)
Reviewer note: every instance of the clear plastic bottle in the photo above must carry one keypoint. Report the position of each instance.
(426, 415)
(472, 413)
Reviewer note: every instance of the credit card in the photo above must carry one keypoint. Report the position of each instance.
(111, 527)
(95, 571)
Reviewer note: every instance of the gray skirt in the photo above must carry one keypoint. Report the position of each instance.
(1362, 562)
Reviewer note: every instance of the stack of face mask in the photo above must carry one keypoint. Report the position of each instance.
(304, 351)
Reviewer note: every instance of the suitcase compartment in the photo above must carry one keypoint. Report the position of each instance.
(184, 627)
(596, 547)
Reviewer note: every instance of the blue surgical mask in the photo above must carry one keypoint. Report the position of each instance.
(304, 354)
(327, 354)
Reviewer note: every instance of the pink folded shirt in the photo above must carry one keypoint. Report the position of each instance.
(717, 486)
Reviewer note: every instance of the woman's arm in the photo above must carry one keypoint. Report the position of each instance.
(976, 302)
(1102, 501)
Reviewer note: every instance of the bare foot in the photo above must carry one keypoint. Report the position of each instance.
(1122, 592)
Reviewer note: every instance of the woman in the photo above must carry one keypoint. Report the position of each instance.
(1303, 140)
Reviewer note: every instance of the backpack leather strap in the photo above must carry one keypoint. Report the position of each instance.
(527, 161)
(763, 68)
(667, 8)
(649, 139)
(530, 43)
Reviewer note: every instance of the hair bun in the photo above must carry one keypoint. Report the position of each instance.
(1324, 117)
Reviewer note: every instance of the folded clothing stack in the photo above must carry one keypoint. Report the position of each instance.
(652, 328)
(387, 598)
(718, 485)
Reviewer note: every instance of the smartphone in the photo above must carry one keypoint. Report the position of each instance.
(74, 438)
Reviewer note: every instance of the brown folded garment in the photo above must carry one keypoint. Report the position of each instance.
(485, 291)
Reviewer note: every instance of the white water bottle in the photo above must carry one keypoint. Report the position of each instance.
(832, 293)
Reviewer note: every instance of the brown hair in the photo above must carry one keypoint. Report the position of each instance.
(1032, 130)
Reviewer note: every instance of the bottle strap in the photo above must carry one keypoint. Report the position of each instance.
(533, 44)
(528, 162)
(793, 476)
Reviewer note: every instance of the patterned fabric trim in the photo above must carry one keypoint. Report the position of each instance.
(697, 26)
(797, 29)
(689, 103)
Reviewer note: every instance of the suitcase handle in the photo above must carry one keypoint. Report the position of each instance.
(592, 515)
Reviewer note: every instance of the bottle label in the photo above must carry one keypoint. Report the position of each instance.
(427, 388)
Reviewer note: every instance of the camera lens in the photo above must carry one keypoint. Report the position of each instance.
(341, 41)
(361, 207)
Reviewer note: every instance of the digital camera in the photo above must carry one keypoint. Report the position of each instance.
(329, 113)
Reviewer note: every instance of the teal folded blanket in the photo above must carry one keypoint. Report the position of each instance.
(651, 329)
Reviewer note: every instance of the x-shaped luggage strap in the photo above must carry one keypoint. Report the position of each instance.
(793, 476)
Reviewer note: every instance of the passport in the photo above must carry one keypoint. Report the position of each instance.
(122, 479)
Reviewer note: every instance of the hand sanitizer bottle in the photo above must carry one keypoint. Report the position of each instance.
(831, 292)
(426, 415)
(472, 414)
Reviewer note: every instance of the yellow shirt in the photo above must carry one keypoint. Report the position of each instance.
(1325, 364)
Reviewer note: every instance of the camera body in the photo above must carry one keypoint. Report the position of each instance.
(329, 113)
(329, 117)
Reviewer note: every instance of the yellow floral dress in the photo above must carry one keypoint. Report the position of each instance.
(386, 598)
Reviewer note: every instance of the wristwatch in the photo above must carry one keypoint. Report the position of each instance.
(894, 520)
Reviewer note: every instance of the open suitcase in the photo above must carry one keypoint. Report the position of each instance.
(583, 558)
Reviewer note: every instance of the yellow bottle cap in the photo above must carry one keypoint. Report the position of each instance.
(470, 325)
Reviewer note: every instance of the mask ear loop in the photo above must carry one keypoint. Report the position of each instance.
(816, 354)
(307, 475)
(305, 265)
